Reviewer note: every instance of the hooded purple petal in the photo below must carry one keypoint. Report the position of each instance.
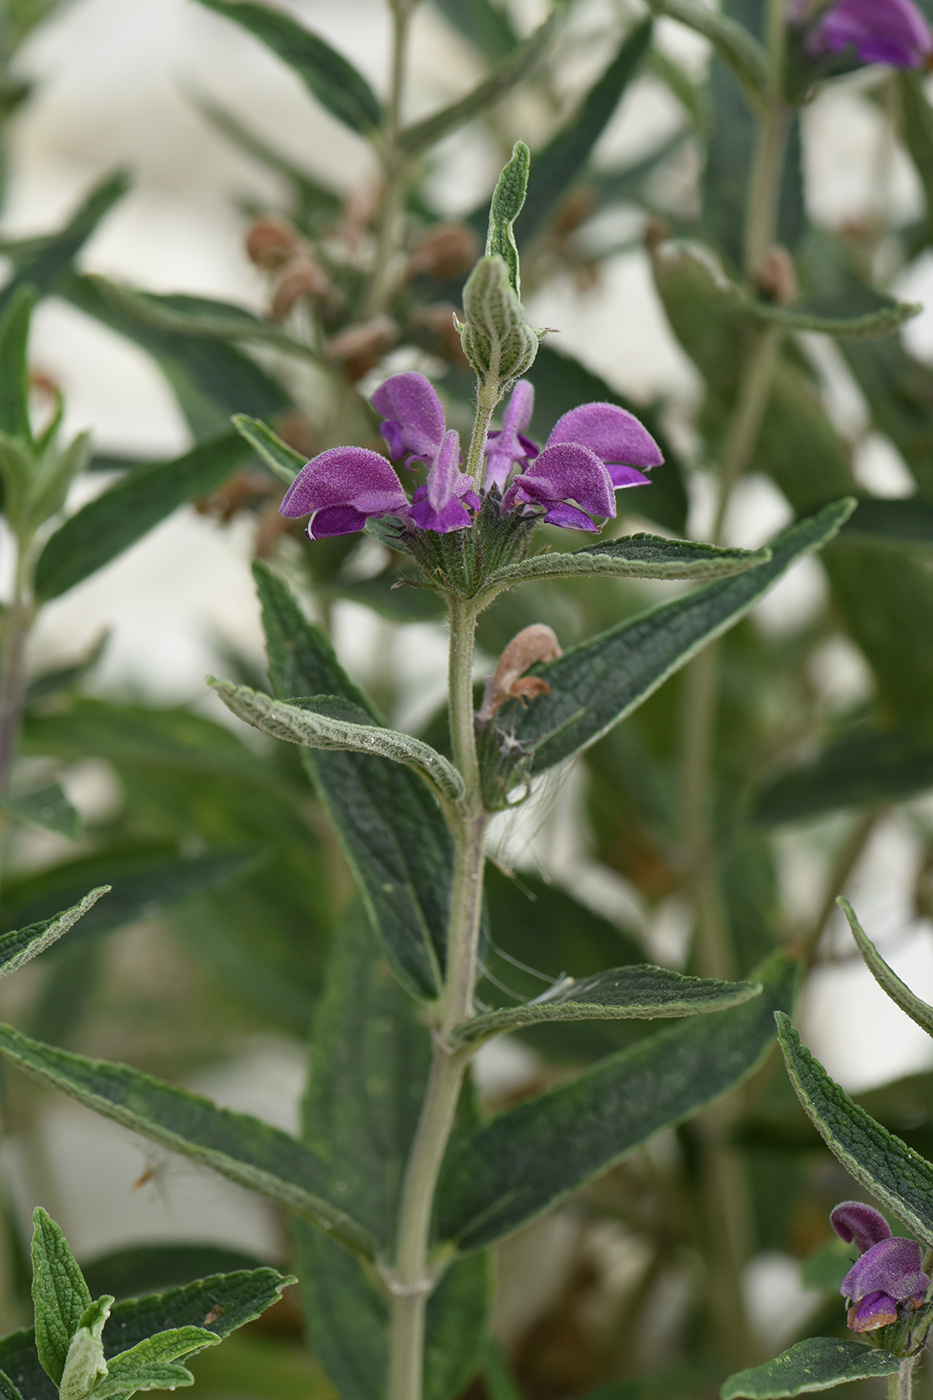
(617, 437)
(853, 1221)
(565, 472)
(891, 1266)
(445, 473)
(877, 1310)
(452, 515)
(880, 31)
(413, 416)
(341, 489)
(569, 518)
(509, 446)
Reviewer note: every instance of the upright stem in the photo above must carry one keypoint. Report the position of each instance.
(900, 1384)
(765, 188)
(394, 167)
(412, 1278)
(487, 397)
(12, 670)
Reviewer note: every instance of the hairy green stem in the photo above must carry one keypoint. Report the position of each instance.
(412, 1279)
(900, 1385)
(487, 397)
(17, 624)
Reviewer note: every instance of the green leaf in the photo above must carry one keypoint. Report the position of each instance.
(59, 1294)
(85, 1363)
(559, 166)
(389, 825)
(369, 1067)
(860, 770)
(624, 993)
(899, 1177)
(8, 1390)
(143, 883)
(818, 1363)
(483, 22)
(113, 521)
(327, 75)
(505, 75)
(594, 685)
(146, 1366)
(744, 55)
(874, 325)
(530, 1157)
(21, 945)
(907, 522)
(505, 207)
(47, 807)
(236, 1145)
(137, 1269)
(219, 1303)
(14, 367)
(333, 724)
(49, 256)
(283, 460)
(889, 982)
(195, 316)
(635, 556)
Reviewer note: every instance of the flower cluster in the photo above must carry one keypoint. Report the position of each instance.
(878, 31)
(592, 452)
(887, 1281)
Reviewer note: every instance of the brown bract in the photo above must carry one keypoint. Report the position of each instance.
(534, 643)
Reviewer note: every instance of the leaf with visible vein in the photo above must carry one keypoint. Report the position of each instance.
(624, 993)
(530, 1157)
(898, 1176)
(599, 682)
(326, 74)
(19, 946)
(635, 556)
(888, 980)
(59, 1293)
(283, 460)
(333, 724)
(196, 316)
(857, 770)
(817, 1363)
(243, 1148)
(874, 325)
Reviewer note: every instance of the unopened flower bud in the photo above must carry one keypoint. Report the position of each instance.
(361, 346)
(445, 251)
(270, 242)
(496, 337)
(777, 277)
(534, 643)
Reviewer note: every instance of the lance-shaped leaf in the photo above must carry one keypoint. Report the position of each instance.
(559, 166)
(817, 1363)
(85, 1364)
(45, 258)
(888, 980)
(857, 771)
(283, 460)
(14, 368)
(237, 1145)
(19, 946)
(391, 828)
(874, 325)
(907, 522)
(483, 23)
(625, 993)
(734, 44)
(505, 206)
(900, 1178)
(59, 1293)
(219, 1303)
(8, 1390)
(501, 79)
(109, 524)
(529, 1158)
(635, 556)
(47, 807)
(152, 1363)
(331, 723)
(594, 685)
(334, 81)
(196, 316)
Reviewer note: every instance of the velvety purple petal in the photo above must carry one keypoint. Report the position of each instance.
(414, 418)
(627, 476)
(451, 516)
(569, 518)
(445, 474)
(520, 407)
(335, 520)
(857, 1223)
(877, 1310)
(614, 435)
(890, 1266)
(567, 471)
(350, 476)
(880, 31)
(506, 448)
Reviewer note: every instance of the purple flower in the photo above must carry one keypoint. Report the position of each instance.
(887, 1279)
(592, 451)
(880, 31)
(441, 504)
(343, 488)
(413, 419)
